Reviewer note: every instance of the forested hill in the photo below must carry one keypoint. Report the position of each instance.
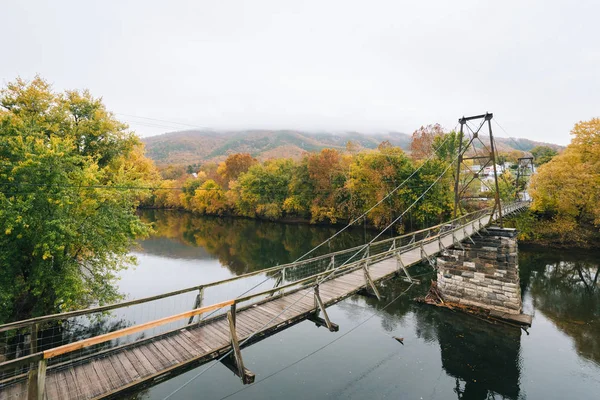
(198, 146)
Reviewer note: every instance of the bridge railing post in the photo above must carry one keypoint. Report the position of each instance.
(245, 375)
(197, 303)
(36, 378)
(369, 281)
(320, 307)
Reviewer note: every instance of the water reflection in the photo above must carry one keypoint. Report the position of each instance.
(564, 286)
(483, 358)
(242, 245)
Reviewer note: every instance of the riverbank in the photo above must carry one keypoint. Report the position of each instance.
(540, 230)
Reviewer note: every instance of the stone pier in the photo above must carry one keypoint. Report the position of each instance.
(483, 274)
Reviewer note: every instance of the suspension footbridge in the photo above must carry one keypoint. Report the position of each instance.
(108, 364)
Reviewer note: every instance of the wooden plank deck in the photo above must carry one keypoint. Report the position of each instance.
(149, 360)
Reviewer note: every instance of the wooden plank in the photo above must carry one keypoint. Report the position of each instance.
(197, 342)
(166, 352)
(246, 321)
(159, 360)
(274, 314)
(142, 361)
(218, 338)
(114, 378)
(84, 383)
(241, 330)
(280, 309)
(295, 306)
(334, 291)
(182, 353)
(352, 280)
(245, 325)
(100, 375)
(74, 383)
(223, 326)
(61, 385)
(207, 337)
(51, 389)
(120, 370)
(304, 300)
(132, 329)
(15, 390)
(186, 350)
(260, 319)
(129, 368)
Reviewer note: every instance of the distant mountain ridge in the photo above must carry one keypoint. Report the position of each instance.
(200, 146)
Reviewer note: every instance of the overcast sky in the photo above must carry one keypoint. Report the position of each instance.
(316, 65)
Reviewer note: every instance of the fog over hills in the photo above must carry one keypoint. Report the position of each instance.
(199, 146)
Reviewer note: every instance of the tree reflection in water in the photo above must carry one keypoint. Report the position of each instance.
(245, 245)
(483, 358)
(564, 286)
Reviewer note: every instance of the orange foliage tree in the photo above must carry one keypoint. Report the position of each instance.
(422, 141)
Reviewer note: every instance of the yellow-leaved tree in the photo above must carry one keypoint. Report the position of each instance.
(567, 189)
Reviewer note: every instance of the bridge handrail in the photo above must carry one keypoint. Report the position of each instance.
(98, 309)
(53, 352)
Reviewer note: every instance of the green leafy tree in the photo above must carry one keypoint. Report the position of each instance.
(542, 154)
(65, 232)
(263, 189)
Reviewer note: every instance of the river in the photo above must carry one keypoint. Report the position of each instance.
(445, 355)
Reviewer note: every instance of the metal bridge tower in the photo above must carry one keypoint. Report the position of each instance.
(474, 156)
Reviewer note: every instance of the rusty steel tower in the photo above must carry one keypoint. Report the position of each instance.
(473, 163)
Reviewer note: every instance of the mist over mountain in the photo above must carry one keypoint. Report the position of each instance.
(200, 146)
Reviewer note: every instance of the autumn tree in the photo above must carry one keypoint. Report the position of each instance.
(235, 165)
(209, 199)
(542, 154)
(421, 146)
(173, 172)
(374, 174)
(327, 174)
(71, 176)
(263, 189)
(167, 194)
(567, 188)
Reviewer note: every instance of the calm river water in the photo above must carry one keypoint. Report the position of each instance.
(445, 355)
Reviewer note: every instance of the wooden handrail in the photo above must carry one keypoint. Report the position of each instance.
(67, 348)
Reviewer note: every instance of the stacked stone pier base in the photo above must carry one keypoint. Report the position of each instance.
(484, 274)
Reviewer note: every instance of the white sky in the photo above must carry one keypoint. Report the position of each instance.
(317, 65)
